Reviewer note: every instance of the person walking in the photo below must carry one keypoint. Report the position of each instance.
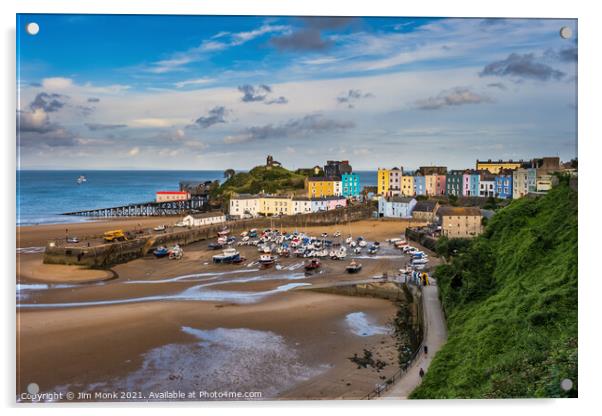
(426, 350)
(421, 373)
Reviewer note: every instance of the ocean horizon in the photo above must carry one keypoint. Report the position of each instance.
(43, 195)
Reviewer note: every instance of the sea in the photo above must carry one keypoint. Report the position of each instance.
(43, 195)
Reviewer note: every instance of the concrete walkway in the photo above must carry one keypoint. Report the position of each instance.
(435, 337)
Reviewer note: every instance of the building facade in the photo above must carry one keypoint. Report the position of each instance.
(425, 211)
(337, 167)
(503, 184)
(430, 185)
(244, 205)
(460, 222)
(470, 184)
(520, 183)
(407, 185)
(419, 185)
(350, 183)
(275, 205)
(320, 186)
(494, 166)
(441, 184)
(453, 183)
(382, 182)
(396, 207)
(486, 185)
(301, 205)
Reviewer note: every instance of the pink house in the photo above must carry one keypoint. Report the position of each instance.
(466, 184)
(334, 202)
(440, 185)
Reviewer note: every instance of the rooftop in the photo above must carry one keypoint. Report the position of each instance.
(459, 211)
(425, 206)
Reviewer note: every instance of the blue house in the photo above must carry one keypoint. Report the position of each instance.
(350, 185)
(503, 185)
(474, 184)
(419, 185)
(396, 207)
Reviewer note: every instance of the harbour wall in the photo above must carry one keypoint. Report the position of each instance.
(107, 254)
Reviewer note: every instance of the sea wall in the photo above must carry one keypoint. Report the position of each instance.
(421, 237)
(108, 254)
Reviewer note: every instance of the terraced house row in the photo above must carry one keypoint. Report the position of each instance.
(500, 179)
(250, 206)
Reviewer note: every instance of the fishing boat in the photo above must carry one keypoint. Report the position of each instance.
(229, 255)
(353, 267)
(266, 260)
(159, 228)
(160, 251)
(82, 179)
(313, 264)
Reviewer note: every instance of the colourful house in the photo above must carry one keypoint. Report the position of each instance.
(454, 183)
(350, 184)
(470, 184)
(407, 185)
(441, 184)
(503, 184)
(419, 185)
(382, 183)
(320, 186)
(430, 182)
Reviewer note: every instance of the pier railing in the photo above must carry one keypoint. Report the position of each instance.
(147, 209)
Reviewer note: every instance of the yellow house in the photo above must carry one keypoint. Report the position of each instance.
(383, 182)
(275, 205)
(407, 185)
(318, 187)
(496, 165)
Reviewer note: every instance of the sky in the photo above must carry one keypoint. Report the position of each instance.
(218, 92)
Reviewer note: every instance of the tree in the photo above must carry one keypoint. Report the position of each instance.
(228, 173)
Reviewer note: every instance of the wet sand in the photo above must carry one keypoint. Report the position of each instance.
(162, 325)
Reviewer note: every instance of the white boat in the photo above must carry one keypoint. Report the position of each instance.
(228, 256)
(81, 179)
(159, 228)
(266, 259)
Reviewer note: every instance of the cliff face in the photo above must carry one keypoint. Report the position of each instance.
(510, 297)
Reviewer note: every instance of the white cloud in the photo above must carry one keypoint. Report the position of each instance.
(57, 83)
(134, 151)
(197, 81)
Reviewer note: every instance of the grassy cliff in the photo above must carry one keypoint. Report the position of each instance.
(510, 297)
(262, 179)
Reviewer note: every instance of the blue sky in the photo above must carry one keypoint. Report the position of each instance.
(213, 92)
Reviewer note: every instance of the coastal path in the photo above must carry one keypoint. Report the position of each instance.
(434, 338)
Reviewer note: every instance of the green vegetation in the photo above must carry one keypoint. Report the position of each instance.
(273, 179)
(511, 301)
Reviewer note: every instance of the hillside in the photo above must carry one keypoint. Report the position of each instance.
(510, 297)
(262, 179)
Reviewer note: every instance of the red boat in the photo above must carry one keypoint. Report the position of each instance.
(313, 264)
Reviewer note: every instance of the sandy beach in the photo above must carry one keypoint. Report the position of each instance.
(152, 325)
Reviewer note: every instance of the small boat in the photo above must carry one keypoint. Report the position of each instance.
(215, 246)
(353, 267)
(419, 261)
(253, 233)
(160, 251)
(337, 234)
(362, 243)
(224, 232)
(266, 260)
(81, 179)
(239, 260)
(313, 264)
(176, 253)
(229, 255)
(357, 250)
(159, 228)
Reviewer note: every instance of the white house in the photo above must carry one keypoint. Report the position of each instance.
(396, 207)
(244, 205)
(338, 188)
(206, 218)
(301, 205)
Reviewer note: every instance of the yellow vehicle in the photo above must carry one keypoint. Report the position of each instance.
(116, 235)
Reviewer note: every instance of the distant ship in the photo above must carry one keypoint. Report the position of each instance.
(81, 179)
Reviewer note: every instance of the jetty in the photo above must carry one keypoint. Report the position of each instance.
(196, 203)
